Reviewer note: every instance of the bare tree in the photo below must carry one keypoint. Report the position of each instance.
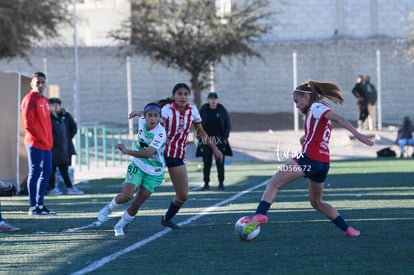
(408, 42)
(24, 23)
(190, 35)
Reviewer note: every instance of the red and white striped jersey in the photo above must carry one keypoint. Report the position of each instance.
(317, 133)
(177, 124)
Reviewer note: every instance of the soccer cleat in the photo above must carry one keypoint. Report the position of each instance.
(119, 231)
(351, 232)
(55, 192)
(74, 191)
(169, 224)
(5, 227)
(103, 214)
(256, 221)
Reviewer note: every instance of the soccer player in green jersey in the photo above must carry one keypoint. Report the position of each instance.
(146, 170)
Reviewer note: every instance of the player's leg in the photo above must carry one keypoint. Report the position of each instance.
(128, 191)
(285, 174)
(133, 179)
(179, 178)
(150, 183)
(142, 195)
(315, 198)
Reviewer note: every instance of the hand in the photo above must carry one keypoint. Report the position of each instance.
(135, 113)
(302, 139)
(120, 147)
(365, 139)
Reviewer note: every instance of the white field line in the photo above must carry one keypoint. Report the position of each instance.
(97, 264)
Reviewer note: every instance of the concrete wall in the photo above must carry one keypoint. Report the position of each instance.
(258, 86)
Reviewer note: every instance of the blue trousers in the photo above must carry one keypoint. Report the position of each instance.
(40, 167)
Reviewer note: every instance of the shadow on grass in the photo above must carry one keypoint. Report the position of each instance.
(377, 204)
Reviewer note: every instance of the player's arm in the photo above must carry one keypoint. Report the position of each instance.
(138, 154)
(135, 113)
(344, 123)
(200, 131)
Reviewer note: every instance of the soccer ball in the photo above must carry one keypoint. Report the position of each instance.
(238, 228)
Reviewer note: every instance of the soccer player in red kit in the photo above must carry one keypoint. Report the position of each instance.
(313, 162)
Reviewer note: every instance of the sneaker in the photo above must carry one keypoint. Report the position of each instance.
(256, 221)
(5, 227)
(351, 232)
(74, 191)
(206, 187)
(55, 192)
(103, 214)
(169, 224)
(119, 231)
(42, 210)
(221, 187)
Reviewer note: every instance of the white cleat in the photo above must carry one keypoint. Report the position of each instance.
(119, 231)
(103, 214)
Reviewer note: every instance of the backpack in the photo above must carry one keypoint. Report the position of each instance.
(386, 153)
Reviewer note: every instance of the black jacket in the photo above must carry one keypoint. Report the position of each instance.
(225, 127)
(60, 141)
(71, 130)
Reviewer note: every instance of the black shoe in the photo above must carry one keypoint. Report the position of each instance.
(206, 188)
(42, 210)
(169, 224)
(221, 187)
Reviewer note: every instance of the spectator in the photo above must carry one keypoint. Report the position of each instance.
(71, 130)
(60, 151)
(359, 92)
(405, 135)
(38, 141)
(216, 123)
(371, 95)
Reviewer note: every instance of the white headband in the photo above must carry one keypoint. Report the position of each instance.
(302, 91)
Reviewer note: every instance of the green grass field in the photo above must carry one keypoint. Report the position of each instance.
(374, 196)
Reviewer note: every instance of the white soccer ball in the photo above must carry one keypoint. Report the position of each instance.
(238, 228)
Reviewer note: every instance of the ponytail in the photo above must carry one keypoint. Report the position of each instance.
(327, 90)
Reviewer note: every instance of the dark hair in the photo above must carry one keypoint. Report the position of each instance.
(319, 90)
(164, 101)
(179, 86)
(38, 74)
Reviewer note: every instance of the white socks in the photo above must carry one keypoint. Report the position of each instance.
(125, 219)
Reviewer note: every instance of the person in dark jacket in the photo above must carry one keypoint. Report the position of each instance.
(71, 130)
(359, 92)
(60, 151)
(371, 95)
(216, 123)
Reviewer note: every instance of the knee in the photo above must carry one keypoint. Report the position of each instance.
(181, 198)
(316, 204)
